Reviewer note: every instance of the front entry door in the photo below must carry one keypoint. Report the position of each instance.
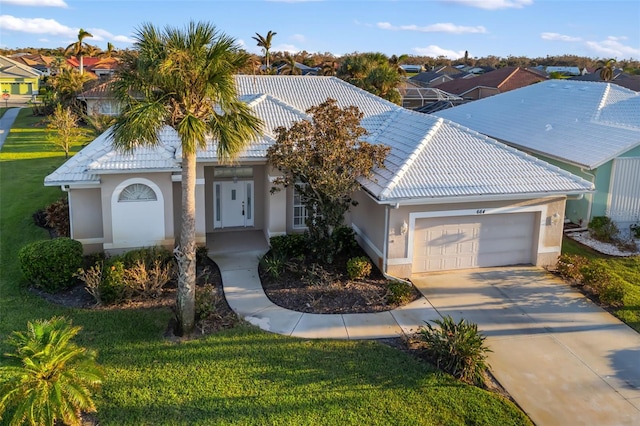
(233, 204)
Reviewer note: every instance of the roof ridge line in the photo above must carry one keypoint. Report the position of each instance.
(412, 158)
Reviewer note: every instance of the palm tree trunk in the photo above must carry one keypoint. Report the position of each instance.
(81, 63)
(186, 252)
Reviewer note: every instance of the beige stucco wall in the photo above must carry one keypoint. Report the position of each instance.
(109, 185)
(85, 213)
(368, 217)
(275, 218)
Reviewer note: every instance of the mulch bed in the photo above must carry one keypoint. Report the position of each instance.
(327, 289)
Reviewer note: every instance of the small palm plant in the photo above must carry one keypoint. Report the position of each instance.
(456, 348)
(56, 378)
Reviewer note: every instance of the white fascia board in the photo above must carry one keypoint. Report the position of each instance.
(477, 198)
(134, 171)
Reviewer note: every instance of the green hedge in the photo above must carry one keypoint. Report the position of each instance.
(51, 264)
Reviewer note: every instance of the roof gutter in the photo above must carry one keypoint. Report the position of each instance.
(477, 198)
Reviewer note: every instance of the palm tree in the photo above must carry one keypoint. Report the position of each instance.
(396, 62)
(329, 68)
(110, 50)
(56, 378)
(184, 79)
(78, 48)
(291, 66)
(265, 43)
(606, 70)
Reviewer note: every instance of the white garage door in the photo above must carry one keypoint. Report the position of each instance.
(625, 191)
(462, 242)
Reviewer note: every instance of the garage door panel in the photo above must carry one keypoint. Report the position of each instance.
(462, 242)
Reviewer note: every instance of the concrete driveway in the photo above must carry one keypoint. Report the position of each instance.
(563, 359)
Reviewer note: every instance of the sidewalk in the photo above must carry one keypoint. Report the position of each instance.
(244, 293)
(6, 122)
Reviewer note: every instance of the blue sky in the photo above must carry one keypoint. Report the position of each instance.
(533, 28)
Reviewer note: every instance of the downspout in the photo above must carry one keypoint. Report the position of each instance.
(590, 205)
(385, 244)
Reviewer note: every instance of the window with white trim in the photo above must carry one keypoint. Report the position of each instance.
(137, 192)
(299, 210)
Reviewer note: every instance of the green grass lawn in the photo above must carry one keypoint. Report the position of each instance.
(239, 376)
(627, 269)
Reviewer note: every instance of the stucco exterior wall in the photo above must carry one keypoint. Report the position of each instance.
(109, 186)
(546, 251)
(85, 213)
(368, 219)
(275, 206)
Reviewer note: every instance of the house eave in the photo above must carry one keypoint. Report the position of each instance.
(477, 198)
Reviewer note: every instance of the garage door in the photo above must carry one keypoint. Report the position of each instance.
(462, 242)
(625, 190)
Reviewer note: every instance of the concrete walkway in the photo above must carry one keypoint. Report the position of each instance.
(6, 122)
(565, 360)
(243, 291)
(562, 358)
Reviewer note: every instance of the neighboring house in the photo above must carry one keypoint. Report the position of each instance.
(304, 69)
(448, 197)
(409, 68)
(415, 96)
(100, 101)
(105, 68)
(619, 77)
(590, 129)
(568, 71)
(17, 78)
(41, 63)
(494, 82)
(437, 75)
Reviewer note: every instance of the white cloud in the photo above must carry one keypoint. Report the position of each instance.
(298, 38)
(435, 51)
(493, 4)
(611, 47)
(44, 40)
(434, 28)
(558, 37)
(51, 27)
(285, 48)
(36, 26)
(39, 3)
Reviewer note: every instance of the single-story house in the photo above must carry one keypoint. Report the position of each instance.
(99, 100)
(447, 198)
(591, 129)
(17, 78)
(491, 83)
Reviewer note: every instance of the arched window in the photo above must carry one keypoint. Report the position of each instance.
(137, 192)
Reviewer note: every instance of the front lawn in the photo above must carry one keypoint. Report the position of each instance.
(627, 269)
(238, 376)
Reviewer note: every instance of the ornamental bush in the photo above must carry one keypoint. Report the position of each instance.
(358, 267)
(569, 267)
(290, 245)
(456, 348)
(51, 264)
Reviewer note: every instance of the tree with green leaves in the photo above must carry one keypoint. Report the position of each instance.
(66, 86)
(79, 47)
(323, 158)
(184, 79)
(63, 128)
(52, 380)
(265, 43)
(374, 73)
(291, 66)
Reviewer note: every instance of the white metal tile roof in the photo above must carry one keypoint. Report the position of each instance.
(429, 158)
(580, 122)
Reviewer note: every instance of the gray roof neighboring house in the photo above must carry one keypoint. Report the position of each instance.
(430, 159)
(13, 69)
(582, 123)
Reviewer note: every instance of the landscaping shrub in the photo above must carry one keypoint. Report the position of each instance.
(611, 292)
(399, 293)
(51, 264)
(358, 267)
(289, 246)
(202, 254)
(273, 263)
(627, 245)
(635, 230)
(569, 267)
(92, 279)
(52, 379)
(595, 273)
(603, 229)
(344, 240)
(147, 281)
(206, 300)
(57, 217)
(456, 348)
(113, 287)
(147, 255)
